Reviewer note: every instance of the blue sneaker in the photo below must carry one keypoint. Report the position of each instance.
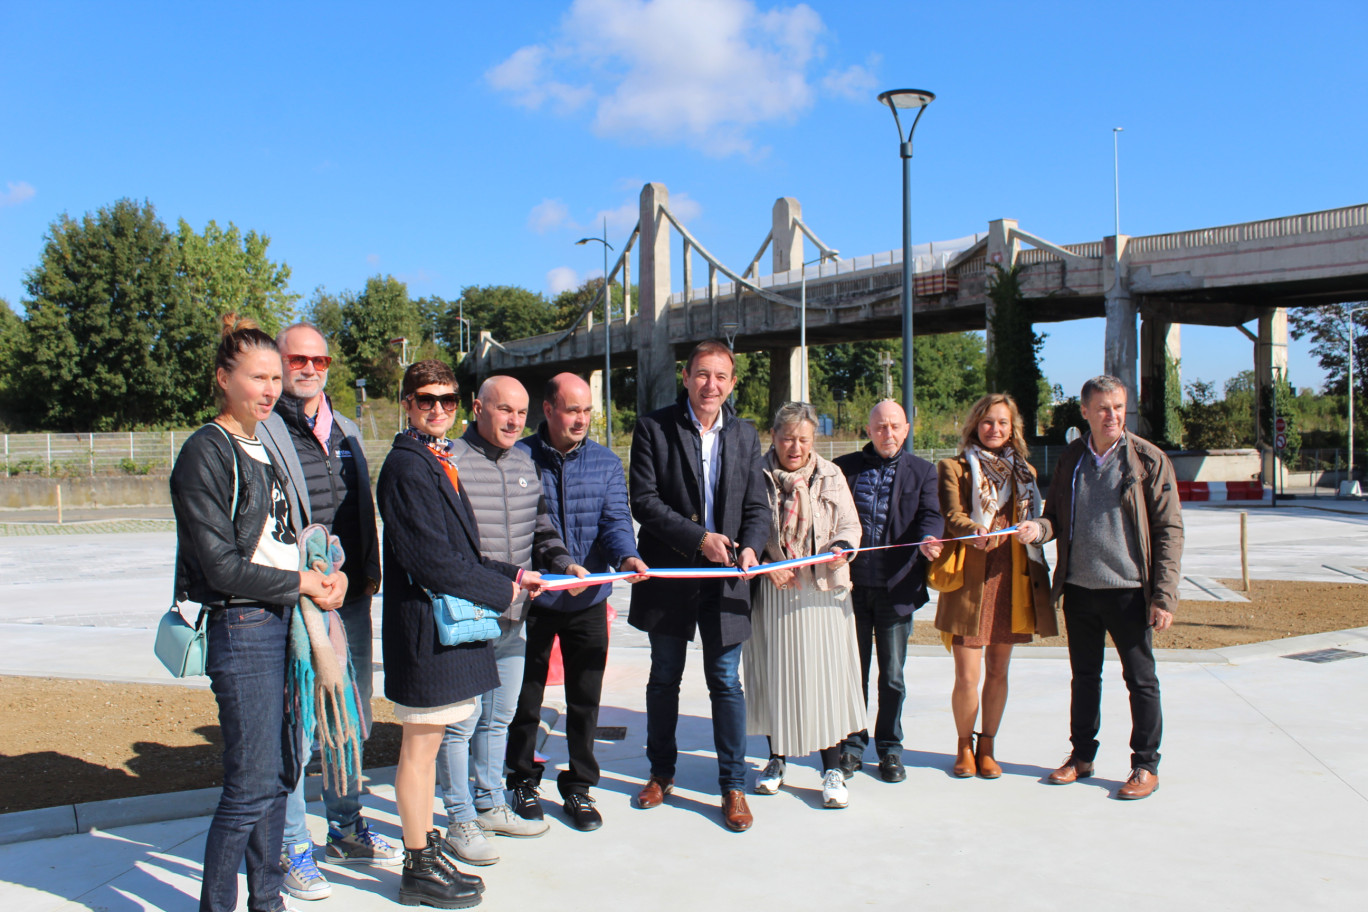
(303, 880)
(360, 847)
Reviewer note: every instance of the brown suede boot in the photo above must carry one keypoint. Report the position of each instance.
(965, 767)
(987, 767)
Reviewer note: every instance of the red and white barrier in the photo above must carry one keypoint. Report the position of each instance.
(1219, 491)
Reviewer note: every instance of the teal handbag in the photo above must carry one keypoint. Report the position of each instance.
(459, 620)
(182, 649)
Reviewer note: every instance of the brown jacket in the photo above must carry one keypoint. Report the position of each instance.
(958, 611)
(1149, 493)
(833, 520)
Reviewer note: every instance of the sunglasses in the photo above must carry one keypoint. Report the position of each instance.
(297, 362)
(426, 402)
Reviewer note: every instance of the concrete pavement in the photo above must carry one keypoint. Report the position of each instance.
(1263, 799)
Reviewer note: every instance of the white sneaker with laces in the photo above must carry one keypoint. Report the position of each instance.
(771, 778)
(501, 821)
(834, 791)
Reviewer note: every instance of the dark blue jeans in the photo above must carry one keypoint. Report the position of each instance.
(878, 623)
(722, 672)
(246, 666)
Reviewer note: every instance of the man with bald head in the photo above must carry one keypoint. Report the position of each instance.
(897, 499)
(501, 484)
(586, 491)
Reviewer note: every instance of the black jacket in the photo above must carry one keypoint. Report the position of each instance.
(431, 536)
(213, 550)
(665, 493)
(913, 514)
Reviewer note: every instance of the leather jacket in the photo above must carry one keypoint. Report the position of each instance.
(214, 543)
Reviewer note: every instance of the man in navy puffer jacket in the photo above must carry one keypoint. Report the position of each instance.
(586, 496)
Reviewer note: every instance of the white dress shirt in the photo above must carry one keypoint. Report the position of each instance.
(712, 447)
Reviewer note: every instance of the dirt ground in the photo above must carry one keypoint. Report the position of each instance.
(67, 742)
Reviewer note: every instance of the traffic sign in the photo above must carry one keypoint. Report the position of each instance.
(1279, 425)
(1280, 442)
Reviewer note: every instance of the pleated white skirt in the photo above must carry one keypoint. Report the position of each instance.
(801, 669)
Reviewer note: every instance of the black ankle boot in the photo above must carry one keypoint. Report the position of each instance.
(435, 840)
(427, 881)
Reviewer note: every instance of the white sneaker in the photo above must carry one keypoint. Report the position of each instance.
(834, 791)
(468, 842)
(501, 821)
(771, 778)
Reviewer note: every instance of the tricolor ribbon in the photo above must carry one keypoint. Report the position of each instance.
(554, 581)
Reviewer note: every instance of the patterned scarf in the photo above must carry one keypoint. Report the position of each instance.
(991, 472)
(443, 449)
(794, 507)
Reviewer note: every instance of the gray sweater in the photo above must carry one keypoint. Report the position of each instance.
(1106, 551)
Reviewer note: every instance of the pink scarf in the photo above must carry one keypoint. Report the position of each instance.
(323, 423)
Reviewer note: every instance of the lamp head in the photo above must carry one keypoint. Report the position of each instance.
(907, 98)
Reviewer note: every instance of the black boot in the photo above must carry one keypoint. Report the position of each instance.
(427, 881)
(435, 840)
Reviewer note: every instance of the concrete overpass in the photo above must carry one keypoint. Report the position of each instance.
(1223, 276)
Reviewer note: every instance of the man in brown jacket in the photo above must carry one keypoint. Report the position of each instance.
(1113, 507)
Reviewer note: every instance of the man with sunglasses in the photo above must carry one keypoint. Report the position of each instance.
(321, 451)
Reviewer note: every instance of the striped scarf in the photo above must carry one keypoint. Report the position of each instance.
(794, 507)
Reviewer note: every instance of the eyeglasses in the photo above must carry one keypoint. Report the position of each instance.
(426, 402)
(297, 362)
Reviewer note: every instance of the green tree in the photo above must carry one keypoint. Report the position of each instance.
(225, 271)
(11, 344)
(1014, 367)
(1207, 421)
(505, 312)
(382, 312)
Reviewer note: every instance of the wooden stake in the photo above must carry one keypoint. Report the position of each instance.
(1244, 548)
(59, 505)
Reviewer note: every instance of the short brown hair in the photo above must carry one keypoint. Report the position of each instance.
(427, 373)
(1102, 383)
(969, 436)
(710, 347)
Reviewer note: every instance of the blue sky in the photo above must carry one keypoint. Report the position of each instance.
(453, 144)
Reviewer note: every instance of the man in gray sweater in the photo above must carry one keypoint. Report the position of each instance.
(1113, 507)
(504, 489)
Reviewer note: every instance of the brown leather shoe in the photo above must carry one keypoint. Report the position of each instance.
(735, 811)
(987, 767)
(1141, 784)
(653, 793)
(965, 767)
(1071, 771)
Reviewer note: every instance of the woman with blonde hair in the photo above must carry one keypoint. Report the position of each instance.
(995, 592)
(802, 667)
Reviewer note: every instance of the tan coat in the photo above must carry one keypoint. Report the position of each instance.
(834, 519)
(957, 612)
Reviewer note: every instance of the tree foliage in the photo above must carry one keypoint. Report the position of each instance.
(1014, 367)
(1328, 328)
(370, 322)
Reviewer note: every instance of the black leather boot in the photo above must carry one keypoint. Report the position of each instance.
(427, 881)
(435, 840)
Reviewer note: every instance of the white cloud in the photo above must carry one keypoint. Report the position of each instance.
(701, 72)
(856, 82)
(372, 259)
(549, 214)
(562, 278)
(17, 192)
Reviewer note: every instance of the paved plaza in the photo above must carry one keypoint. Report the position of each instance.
(1263, 801)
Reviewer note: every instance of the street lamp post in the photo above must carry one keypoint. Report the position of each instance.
(607, 338)
(1352, 311)
(802, 322)
(907, 99)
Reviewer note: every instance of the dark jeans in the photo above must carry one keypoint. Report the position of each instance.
(722, 672)
(246, 665)
(584, 653)
(1089, 615)
(878, 624)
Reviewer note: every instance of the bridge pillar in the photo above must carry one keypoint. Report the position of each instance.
(1121, 343)
(655, 356)
(786, 377)
(1270, 363)
(1002, 251)
(1160, 342)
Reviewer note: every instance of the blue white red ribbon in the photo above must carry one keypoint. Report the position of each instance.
(555, 581)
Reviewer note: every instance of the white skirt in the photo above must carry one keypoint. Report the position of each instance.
(801, 669)
(449, 714)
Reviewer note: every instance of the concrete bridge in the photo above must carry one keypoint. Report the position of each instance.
(1224, 276)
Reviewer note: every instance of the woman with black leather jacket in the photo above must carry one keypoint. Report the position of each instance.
(238, 557)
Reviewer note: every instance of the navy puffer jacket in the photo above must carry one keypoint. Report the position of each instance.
(586, 496)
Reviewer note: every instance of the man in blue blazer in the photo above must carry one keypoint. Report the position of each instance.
(896, 497)
(698, 492)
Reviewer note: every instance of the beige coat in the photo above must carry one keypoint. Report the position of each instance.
(834, 519)
(957, 611)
